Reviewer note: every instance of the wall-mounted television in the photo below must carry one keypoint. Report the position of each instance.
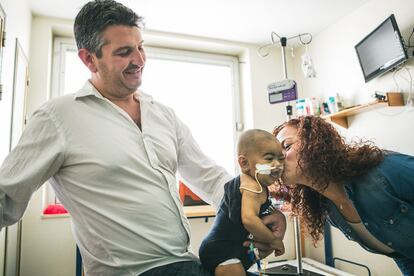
(381, 50)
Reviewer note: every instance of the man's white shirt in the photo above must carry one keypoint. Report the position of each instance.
(118, 182)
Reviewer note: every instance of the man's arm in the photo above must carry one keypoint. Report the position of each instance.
(37, 156)
(203, 176)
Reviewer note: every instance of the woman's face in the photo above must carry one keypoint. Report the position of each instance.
(290, 144)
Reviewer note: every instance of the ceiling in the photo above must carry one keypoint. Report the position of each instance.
(249, 21)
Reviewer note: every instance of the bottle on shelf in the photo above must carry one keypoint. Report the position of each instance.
(338, 101)
(335, 104)
(315, 106)
(332, 105)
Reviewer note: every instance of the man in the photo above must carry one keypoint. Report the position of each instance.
(111, 154)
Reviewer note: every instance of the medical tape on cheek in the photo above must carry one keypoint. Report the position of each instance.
(264, 169)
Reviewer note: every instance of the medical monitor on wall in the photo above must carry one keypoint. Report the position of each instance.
(381, 50)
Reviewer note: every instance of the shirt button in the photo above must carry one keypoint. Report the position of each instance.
(366, 224)
(391, 221)
(389, 243)
(403, 209)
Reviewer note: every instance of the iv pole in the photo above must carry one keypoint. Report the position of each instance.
(283, 43)
(289, 113)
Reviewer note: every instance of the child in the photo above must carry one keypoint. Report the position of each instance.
(222, 251)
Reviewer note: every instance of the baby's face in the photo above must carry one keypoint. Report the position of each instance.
(267, 162)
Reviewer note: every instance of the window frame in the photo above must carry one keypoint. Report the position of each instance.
(60, 46)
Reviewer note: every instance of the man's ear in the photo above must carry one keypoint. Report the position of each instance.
(244, 164)
(88, 59)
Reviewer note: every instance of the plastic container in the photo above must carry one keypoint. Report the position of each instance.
(315, 107)
(332, 105)
(338, 101)
(303, 107)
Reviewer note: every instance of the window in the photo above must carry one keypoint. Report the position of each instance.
(201, 88)
(69, 73)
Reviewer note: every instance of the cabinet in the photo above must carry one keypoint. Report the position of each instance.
(341, 117)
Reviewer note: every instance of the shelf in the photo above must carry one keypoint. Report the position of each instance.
(341, 117)
(199, 211)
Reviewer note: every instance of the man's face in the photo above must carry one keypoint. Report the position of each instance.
(119, 70)
(288, 138)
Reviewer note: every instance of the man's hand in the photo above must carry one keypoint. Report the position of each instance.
(277, 224)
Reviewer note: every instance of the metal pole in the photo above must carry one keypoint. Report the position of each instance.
(19, 246)
(283, 42)
(296, 225)
(284, 62)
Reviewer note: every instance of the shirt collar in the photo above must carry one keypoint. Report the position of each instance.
(89, 90)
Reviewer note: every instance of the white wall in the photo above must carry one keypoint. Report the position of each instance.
(264, 71)
(18, 22)
(338, 71)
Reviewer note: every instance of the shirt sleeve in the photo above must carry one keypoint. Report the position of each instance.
(37, 156)
(203, 176)
(399, 170)
(233, 198)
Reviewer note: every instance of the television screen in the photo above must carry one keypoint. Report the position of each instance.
(382, 50)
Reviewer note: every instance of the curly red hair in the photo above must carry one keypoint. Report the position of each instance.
(324, 157)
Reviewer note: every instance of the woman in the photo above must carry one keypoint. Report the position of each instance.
(364, 191)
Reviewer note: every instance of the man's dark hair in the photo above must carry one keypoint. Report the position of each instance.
(95, 16)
